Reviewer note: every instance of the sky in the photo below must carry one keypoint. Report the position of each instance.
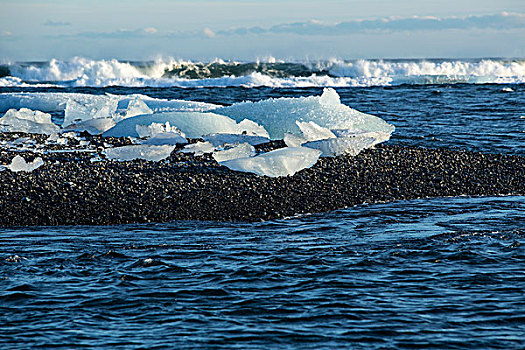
(36, 30)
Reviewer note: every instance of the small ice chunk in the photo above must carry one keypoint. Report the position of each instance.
(192, 124)
(342, 145)
(199, 148)
(93, 126)
(377, 135)
(89, 108)
(145, 131)
(243, 150)
(19, 164)
(223, 139)
(250, 127)
(330, 98)
(136, 107)
(313, 132)
(165, 138)
(153, 153)
(281, 162)
(28, 121)
(293, 140)
(507, 89)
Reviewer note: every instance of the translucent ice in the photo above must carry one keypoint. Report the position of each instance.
(136, 106)
(90, 108)
(26, 120)
(52, 102)
(47, 102)
(279, 116)
(147, 152)
(281, 162)
(165, 138)
(19, 164)
(293, 140)
(341, 145)
(225, 139)
(192, 124)
(242, 150)
(145, 131)
(199, 148)
(251, 128)
(312, 132)
(378, 136)
(93, 126)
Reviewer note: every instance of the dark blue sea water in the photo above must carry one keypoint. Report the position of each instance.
(429, 273)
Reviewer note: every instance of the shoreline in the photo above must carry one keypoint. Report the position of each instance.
(69, 189)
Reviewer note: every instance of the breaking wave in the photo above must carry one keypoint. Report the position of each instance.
(271, 73)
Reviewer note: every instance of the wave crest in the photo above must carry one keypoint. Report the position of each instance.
(81, 71)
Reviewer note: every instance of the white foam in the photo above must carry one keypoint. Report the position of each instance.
(85, 72)
(281, 162)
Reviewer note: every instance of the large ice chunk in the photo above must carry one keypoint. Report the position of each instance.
(230, 139)
(192, 124)
(28, 121)
(46, 102)
(18, 163)
(279, 116)
(145, 131)
(163, 105)
(55, 102)
(243, 150)
(281, 162)
(147, 152)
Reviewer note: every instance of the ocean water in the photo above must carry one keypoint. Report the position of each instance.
(428, 273)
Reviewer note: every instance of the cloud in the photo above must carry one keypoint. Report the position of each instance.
(119, 34)
(209, 33)
(50, 23)
(501, 21)
(150, 30)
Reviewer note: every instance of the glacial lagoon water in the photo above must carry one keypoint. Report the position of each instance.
(427, 273)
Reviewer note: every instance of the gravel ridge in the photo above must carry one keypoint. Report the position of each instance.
(70, 189)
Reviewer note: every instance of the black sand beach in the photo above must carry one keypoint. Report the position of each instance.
(69, 189)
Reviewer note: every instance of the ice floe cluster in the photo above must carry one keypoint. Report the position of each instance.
(311, 127)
